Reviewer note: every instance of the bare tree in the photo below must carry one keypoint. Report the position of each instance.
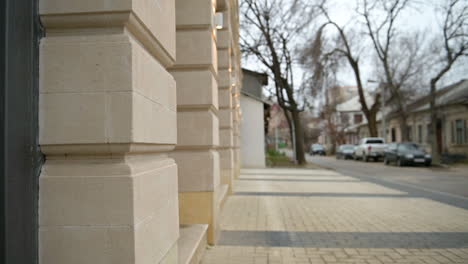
(270, 28)
(454, 46)
(340, 47)
(319, 76)
(399, 56)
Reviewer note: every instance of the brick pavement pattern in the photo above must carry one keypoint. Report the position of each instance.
(320, 216)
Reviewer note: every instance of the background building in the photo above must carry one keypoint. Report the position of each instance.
(341, 110)
(278, 134)
(452, 123)
(252, 125)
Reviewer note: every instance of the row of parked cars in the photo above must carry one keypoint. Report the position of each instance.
(401, 154)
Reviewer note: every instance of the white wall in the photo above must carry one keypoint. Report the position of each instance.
(252, 133)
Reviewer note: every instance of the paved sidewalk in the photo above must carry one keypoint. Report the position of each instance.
(320, 216)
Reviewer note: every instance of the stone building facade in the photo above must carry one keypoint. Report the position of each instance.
(139, 126)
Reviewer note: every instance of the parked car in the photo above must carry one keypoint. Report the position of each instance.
(345, 152)
(317, 149)
(407, 153)
(370, 148)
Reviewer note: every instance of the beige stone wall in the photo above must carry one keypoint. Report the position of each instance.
(236, 83)
(129, 155)
(224, 45)
(196, 154)
(205, 123)
(108, 190)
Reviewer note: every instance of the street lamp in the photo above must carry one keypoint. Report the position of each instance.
(384, 117)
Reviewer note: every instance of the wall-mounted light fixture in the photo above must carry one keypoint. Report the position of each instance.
(219, 20)
(233, 81)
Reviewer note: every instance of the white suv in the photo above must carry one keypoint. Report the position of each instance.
(370, 148)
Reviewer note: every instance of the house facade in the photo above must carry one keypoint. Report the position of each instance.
(120, 128)
(341, 120)
(452, 123)
(348, 116)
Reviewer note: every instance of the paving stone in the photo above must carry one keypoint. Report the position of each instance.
(320, 216)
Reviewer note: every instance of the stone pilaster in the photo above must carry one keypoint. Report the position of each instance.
(236, 83)
(224, 45)
(196, 153)
(236, 114)
(108, 190)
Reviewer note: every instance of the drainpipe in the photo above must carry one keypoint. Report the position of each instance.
(384, 117)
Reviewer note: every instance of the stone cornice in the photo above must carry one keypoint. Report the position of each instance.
(225, 147)
(195, 67)
(198, 108)
(104, 149)
(196, 148)
(64, 23)
(182, 27)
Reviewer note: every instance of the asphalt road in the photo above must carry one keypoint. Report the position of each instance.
(444, 182)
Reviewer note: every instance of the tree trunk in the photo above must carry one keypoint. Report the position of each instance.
(331, 134)
(332, 137)
(370, 114)
(435, 151)
(404, 127)
(372, 123)
(299, 134)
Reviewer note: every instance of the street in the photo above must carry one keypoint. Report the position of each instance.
(451, 181)
(357, 213)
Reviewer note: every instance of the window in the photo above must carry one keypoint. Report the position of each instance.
(420, 133)
(392, 147)
(408, 147)
(374, 141)
(452, 130)
(357, 118)
(466, 131)
(459, 132)
(344, 118)
(393, 135)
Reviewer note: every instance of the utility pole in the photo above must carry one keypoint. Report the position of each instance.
(384, 114)
(383, 109)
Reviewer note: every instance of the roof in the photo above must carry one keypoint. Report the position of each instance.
(456, 93)
(353, 104)
(252, 84)
(263, 77)
(256, 98)
(453, 94)
(352, 128)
